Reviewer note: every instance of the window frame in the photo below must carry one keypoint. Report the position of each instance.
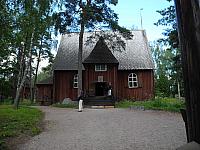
(100, 68)
(132, 79)
(75, 81)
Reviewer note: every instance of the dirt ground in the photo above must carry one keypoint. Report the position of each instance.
(108, 129)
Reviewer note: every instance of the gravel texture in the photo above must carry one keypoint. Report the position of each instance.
(108, 129)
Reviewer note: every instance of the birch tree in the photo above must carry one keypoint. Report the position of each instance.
(33, 27)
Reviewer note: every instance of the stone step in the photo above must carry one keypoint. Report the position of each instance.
(100, 103)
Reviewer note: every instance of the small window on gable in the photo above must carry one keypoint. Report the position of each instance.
(132, 80)
(75, 83)
(101, 67)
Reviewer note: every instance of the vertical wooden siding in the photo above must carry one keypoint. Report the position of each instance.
(91, 76)
(63, 85)
(145, 90)
(44, 91)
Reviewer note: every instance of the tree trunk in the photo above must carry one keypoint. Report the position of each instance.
(21, 65)
(188, 18)
(37, 67)
(80, 52)
(30, 80)
(179, 91)
(19, 89)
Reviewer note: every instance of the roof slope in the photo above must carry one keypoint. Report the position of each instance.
(101, 54)
(136, 55)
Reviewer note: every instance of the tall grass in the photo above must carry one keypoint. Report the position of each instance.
(167, 104)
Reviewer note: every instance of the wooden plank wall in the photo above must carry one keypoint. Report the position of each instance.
(91, 76)
(63, 85)
(145, 89)
(44, 90)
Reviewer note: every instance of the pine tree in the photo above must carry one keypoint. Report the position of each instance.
(81, 15)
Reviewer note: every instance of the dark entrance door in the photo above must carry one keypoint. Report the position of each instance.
(100, 88)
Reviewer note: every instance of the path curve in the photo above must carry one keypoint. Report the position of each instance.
(108, 129)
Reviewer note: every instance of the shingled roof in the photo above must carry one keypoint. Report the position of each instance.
(101, 54)
(136, 55)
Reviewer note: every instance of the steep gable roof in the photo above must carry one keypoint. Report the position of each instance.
(101, 54)
(136, 55)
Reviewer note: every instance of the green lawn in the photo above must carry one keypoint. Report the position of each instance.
(24, 102)
(65, 105)
(167, 104)
(24, 120)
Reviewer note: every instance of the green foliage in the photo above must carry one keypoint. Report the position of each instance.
(65, 105)
(163, 64)
(169, 19)
(166, 104)
(5, 87)
(24, 102)
(19, 19)
(162, 86)
(92, 15)
(46, 72)
(42, 76)
(167, 55)
(6, 101)
(24, 120)
(27, 102)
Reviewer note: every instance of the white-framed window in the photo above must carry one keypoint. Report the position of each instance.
(101, 67)
(132, 80)
(75, 83)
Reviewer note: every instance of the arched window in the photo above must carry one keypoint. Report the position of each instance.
(132, 80)
(75, 84)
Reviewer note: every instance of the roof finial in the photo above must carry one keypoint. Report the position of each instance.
(141, 17)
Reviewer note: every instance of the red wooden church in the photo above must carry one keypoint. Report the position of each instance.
(129, 73)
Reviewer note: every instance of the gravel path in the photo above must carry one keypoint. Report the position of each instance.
(108, 129)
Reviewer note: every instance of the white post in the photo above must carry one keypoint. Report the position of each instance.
(141, 18)
(179, 93)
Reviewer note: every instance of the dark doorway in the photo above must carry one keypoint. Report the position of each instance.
(100, 88)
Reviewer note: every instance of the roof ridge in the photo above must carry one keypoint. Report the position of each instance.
(101, 31)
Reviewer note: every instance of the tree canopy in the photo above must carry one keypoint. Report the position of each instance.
(168, 57)
(25, 37)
